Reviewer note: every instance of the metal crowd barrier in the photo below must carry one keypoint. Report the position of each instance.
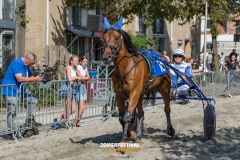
(51, 105)
(100, 100)
(219, 83)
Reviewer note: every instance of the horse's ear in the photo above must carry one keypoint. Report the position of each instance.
(106, 23)
(118, 26)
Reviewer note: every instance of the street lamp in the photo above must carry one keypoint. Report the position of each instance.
(205, 38)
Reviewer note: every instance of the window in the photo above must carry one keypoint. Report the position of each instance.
(142, 26)
(76, 16)
(208, 23)
(77, 46)
(98, 12)
(8, 9)
(81, 46)
(158, 26)
(160, 44)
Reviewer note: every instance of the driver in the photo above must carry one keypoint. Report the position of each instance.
(179, 86)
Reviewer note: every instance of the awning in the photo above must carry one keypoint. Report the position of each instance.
(82, 32)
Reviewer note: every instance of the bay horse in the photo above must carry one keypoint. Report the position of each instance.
(130, 77)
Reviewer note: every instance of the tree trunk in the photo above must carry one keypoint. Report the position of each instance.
(149, 36)
(215, 52)
(20, 30)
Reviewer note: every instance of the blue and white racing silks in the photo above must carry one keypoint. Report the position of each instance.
(182, 67)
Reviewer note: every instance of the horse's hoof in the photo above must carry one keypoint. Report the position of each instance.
(132, 135)
(171, 131)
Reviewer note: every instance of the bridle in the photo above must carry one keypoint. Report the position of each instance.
(113, 49)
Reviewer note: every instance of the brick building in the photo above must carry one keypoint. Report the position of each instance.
(225, 38)
(67, 28)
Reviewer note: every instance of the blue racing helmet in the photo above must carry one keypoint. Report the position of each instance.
(179, 52)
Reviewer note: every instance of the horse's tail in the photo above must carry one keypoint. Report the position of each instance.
(150, 97)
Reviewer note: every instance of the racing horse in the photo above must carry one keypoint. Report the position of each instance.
(131, 80)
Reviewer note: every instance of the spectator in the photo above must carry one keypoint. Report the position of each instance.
(222, 60)
(191, 62)
(70, 98)
(231, 65)
(17, 73)
(232, 53)
(178, 85)
(82, 91)
(209, 61)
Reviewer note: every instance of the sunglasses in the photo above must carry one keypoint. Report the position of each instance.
(178, 56)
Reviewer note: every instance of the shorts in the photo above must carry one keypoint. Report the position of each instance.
(82, 93)
(182, 90)
(73, 92)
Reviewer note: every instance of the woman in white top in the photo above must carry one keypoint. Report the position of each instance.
(81, 96)
(71, 74)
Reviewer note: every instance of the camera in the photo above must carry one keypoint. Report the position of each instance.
(46, 77)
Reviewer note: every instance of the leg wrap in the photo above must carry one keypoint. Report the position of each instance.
(140, 126)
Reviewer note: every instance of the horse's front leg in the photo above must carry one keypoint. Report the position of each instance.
(133, 100)
(121, 110)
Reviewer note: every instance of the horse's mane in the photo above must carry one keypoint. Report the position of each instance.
(128, 42)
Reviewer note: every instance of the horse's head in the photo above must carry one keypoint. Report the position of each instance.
(112, 40)
(112, 44)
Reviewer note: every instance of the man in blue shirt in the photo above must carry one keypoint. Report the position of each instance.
(19, 72)
(177, 83)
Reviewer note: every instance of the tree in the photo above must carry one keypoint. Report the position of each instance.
(220, 11)
(113, 9)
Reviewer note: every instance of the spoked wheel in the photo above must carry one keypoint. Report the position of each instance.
(209, 121)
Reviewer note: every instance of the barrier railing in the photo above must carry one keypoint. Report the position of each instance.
(219, 83)
(51, 104)
(101, 101)
(8, 127)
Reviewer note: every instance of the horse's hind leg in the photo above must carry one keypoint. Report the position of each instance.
(164, 89)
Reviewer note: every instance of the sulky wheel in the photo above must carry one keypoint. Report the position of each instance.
(209, 121)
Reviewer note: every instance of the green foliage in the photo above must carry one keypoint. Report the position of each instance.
(24, 22)
(3, 102)
(113, 9)
(141, 41)
(46, 96)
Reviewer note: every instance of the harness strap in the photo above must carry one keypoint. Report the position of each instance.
(122, 78)
(150, 81)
